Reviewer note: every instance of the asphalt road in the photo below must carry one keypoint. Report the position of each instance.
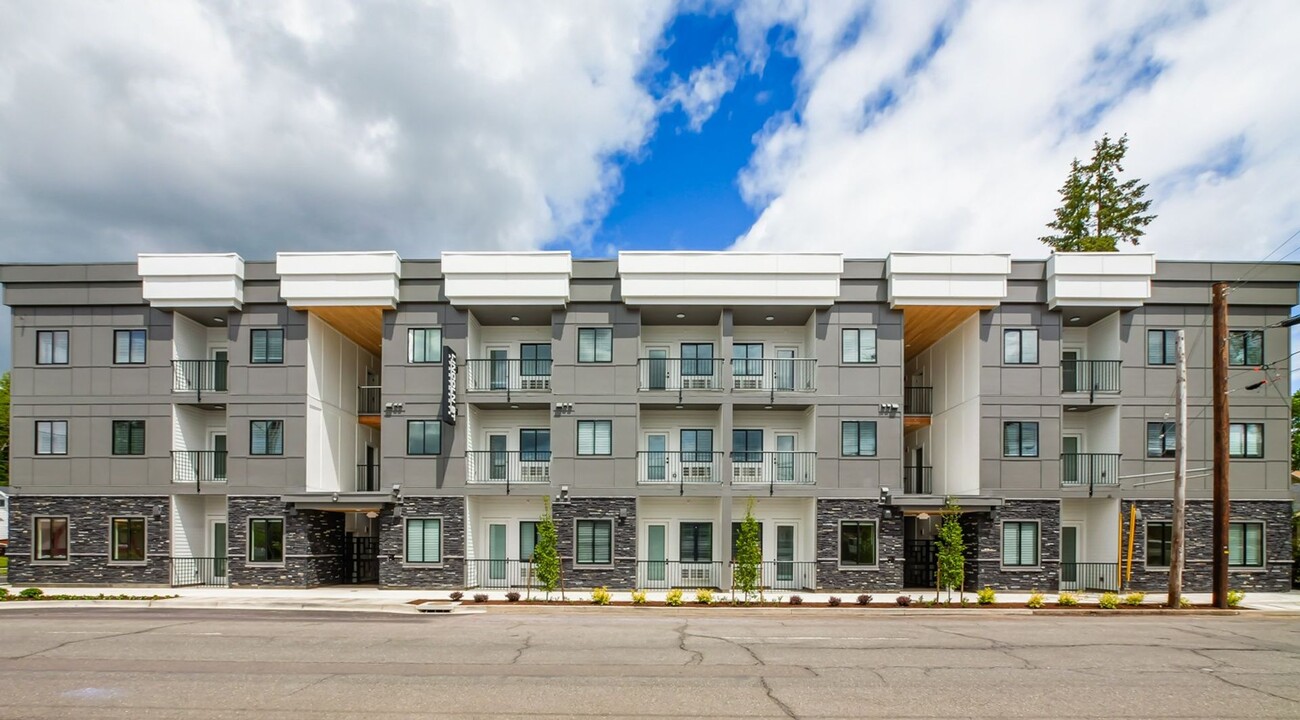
(222, 664)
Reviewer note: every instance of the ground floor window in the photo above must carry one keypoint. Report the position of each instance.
(528, 536)
(266, 540)
(423, 540)
(696, 544)
(51, 541)
(1020, 544)
(128, 539)
(1159, 543)
(857, 543)
(1246, 544)
(595, 542)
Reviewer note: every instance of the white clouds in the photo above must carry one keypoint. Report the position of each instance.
(972, 143)
(700, 95)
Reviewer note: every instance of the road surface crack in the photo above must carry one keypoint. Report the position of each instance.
(102, 637)
(697, 657)
(528, 644)
(772, 696)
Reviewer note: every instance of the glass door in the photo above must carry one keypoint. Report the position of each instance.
(785, 553)
(657, 370)
(1071, 446)
(1069, 553)
(785, 457)
(656, 457)
(656, 552)
(785, 370)
(219, 456)
(498, 457)
(1070, 371)
(219, 371)
(500, 369)
(497, 551)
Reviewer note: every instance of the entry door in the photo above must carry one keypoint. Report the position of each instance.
(1070, 371)
(217, 530)
(219, 372)
(500, 368)
(369, 481)
(498, 456)
(219, 456)
(785, 370)
(1069, 553)
(497, 551)
(785, 444)
(656, 457)
(657, 368)
(656, 552)
(1071, 446)
(785, 535)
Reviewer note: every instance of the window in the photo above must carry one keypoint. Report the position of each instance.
(128, 437)
(50, 543)
(1162, 347)
(535, 359)
(528, 537)
(1160, 537)
(857, 543)
(52, 347)
(51, 437)
(858, 345)
(595, 345)
(697, 359)
(1019, 439)
(697, 446)
(1020, 347)
(423, 540)
(1020, 544)
(268, 346)
(595, 542)
(128, 539)
(735, 538)
(266, 437)
(1245, 347)
(858, 438)
(534, 445)
(748, 359)
(1160, 440)
(424, 345)
(595, 437)
(1246, 440)
(423, 437)
(128, 347)
(747, 446)
(1246, 544)
(696, 542)
(266, 540)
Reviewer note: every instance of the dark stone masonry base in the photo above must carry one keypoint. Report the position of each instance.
(313, 545)
(888, 572)
(88, 538)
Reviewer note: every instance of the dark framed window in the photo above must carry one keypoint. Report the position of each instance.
(858, 438)
(857, 346)
(595, 540)
(1020, 544)
(1162, 347)
(535, 445)
(1161, 439)
(423, 437)
(535, 359)
(1246, 544)
(423, 540)
(267, 346)
(1245, 347)
(1246, 440)
(50, 539)
(695, 542)
(735, 538)
(128, 437)
(857, 542)
(51, 437)
(266, 540)
(128, 539)
(51, 347)
(595, 345)
(528, 536)
(1020, 347)
(747, 446)
(129, 347)
(747, 359)
(697, 445)
(1160, 540)
(595, 437)
(266, 437)
(697, 359)
(423, 345)
(1019, 439)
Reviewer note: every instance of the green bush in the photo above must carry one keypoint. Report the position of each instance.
(673, 598)
(1036, 599)
(704, 596)
(1067, 599)
(638, 597)
(4, 593)
(1108, 601)
(600, 596)
(1134, 599)
(986, 596)
(1183, 602)
(1235, 597)
(32, 593)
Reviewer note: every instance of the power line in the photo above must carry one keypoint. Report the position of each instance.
(1259, 264)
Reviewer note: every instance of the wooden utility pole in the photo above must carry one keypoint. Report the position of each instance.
(1219, 390)
(1180, 479)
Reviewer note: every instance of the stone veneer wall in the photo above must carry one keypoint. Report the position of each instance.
(1042, 577)
(1198, 567)
(622, 573)
(313, 545)
(395, 572)
(888, 572)
(88, 540)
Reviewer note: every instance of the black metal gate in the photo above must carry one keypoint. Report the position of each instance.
(920, 563)
(360, 560)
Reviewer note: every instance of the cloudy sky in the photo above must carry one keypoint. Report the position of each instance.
(597, 126)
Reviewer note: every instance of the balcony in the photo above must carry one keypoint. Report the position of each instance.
(508, 467)
(678, 374)
(918, 400)
(1090, 376)
(774, 374)
(370, 404)
(198, 466)
(773, 468)
(693, 467)
(508, 376)
(917, 480)
(199, 376)
(1089, 469)
(368, 478)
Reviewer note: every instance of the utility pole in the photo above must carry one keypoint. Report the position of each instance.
(1219, 389)
(1180, 479)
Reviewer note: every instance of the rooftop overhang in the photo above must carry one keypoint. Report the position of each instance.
(976, 280)
(339, 279)
(730, 278)
(1099, 279)
(507, 278)
(192, 280)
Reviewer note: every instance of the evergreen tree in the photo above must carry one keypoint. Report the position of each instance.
(749, 554)
(1098, 212)
(546, 554)
(951, 549)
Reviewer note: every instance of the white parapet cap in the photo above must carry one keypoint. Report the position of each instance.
(730, 278)
(939, 278)
(339, 279)
(1099, 279)
(507, 278)
(192, 280)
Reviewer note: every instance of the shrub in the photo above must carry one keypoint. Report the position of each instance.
(512, 596)
(32, 593)
(1134, 599)
(986, 596)
(1234, 598)
(4, 593)
(1067, 599)
(796, 600)
(864, 599)
(456, 595)
(704, 596)
(1108, 601)
(965, 602)
(1036, 599)
(931, 602)
(1183, 602)
(833, 601)
(600, 596)
(638, 597)
(673, 598)
(903, 600)
(480, 597)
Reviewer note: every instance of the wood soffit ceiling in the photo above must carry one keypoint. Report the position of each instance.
(362, 325)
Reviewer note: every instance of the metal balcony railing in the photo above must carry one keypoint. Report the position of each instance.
(1089, 577)
(199, 376)
(774, 374)
(668, 574)
(368, 478)
(1090, 376)
(370, 400)
(679, 468)
(1089, 469)
(508, 376)
(678, 374)
(199, 466)
(918, 400)
(198, 571)
(917, 480)
(508, 467)
(785, 574)
(773, 468)
(501, 574)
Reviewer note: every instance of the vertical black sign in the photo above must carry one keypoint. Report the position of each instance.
(448, 412)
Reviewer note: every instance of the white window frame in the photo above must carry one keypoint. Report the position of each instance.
(112, 541)
(1038, 545)
(839, 539)
(612, 544)
(51, 452)
(406, 542)
(248, 541)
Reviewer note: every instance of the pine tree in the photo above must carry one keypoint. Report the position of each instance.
(951, 549)
(546, 553)
(749, 554)
(1098, 212)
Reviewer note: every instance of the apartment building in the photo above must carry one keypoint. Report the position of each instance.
(356, 417)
